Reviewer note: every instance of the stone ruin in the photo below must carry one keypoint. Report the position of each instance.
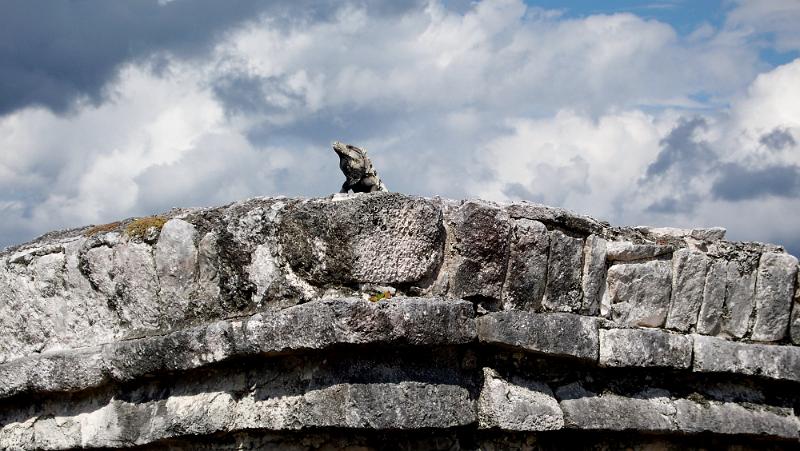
(502, 326)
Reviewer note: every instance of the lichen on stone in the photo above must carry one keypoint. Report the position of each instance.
(102, 228)
(141, 227)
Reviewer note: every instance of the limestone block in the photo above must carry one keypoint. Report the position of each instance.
(739, 302)
(689, 270)
(563, 292)
(482, 235)
(794, 328)
(651, 411)
(383, 238)
(559, 334)
(716, 355)
(594, 274)
(526, 275)
(637, 294)
(774, 292)
(176, 265)
(709, 321)
(625, 251)
(644, 348)
(731, 418)
(517, 405)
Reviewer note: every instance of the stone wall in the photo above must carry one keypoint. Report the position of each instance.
(250, 326)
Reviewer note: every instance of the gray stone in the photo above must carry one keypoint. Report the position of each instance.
(731, 418)
(794, 327)
(557, 217)
(738, 306)
(689, 270)
(560, 334)
(644, 348)
(774, 292)
(176, 265)
(716, 355)
(482, 234)
(526, 276)
(709, 321)
(382, 238)
(517, 405)
(625, 251)
(709, 233)
(637, 294)
(563, 292)
(136, 287)
(594, 274)
(652, 411)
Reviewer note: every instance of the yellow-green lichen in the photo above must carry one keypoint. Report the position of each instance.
(139, 227)
(102, 228)
(378, 296)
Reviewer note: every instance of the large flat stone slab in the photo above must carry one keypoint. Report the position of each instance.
(526, 276)
(732, 418)
(715, 355)
(651, 411)
(563, 292)
(689, 270)
(644, 348)
(558, 334)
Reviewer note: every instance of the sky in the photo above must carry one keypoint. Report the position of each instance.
(667, 112)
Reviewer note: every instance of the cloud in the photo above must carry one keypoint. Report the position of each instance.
(777, 19)
(610, 115)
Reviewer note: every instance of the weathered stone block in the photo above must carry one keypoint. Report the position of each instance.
(637, 294)
(652, 411)
(594, 274)
(731, 418)
(689, 270)
(709, 321)
(644, 348)
(526, 275)
(517, 405)
(774, 292)
(482, 235)
(794, 327)
(563, 292)
(176, 265)
(738, 307)
(559, 334)
(715, 355)
(625, 251)
(382, 238)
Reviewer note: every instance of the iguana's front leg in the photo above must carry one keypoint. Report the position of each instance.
(345, 188)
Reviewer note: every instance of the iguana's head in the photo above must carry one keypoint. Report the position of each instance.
(348, 152)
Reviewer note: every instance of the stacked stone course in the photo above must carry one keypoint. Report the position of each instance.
(507, 325)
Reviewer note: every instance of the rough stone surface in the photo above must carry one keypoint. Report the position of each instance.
(559, 334)
(625, 251)
(482, 233)
(637, 294)
(732, 418)
(709, 320)
(563, 292)
(594, 274)
(517, 405)
(739, 303)
(382, 238)
(774, 292)
(715, 355)
(689, 270)
(644, 348)
(651, 411)
(794, 327)
(389, 321)
(527, 266)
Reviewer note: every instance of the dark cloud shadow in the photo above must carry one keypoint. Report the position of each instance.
(737, 182)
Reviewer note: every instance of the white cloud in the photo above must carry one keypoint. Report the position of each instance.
(496, 100)
(779, 18)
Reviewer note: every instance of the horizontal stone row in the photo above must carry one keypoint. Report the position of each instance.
(400, 321)
(312, 326)
(103, 284)
(228, 402)
(521, 404)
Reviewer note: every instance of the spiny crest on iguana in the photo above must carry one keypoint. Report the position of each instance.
(360, 175)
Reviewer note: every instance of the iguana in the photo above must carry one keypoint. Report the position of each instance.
(359, 174)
